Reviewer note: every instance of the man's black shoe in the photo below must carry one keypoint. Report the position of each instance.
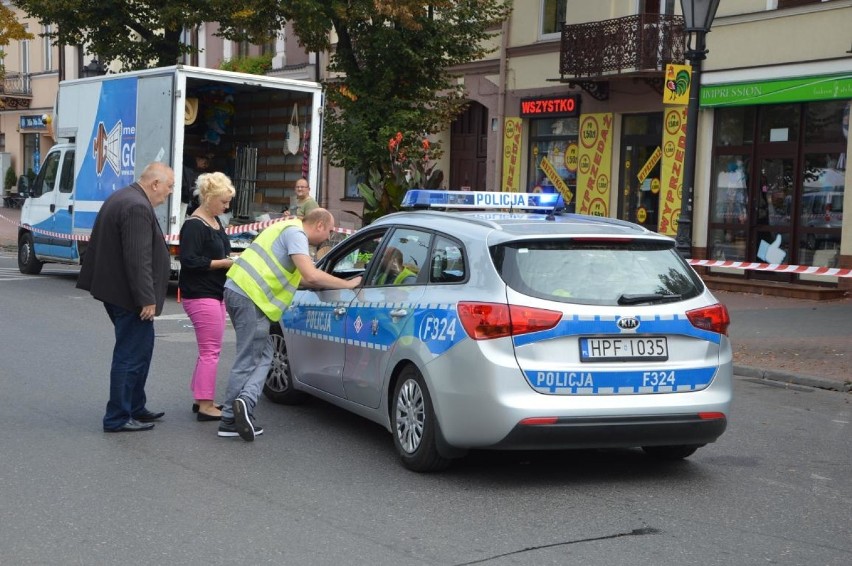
(147, 416)
(131, 426)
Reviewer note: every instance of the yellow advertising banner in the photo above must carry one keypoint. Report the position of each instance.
(594, 164)
(512, 154)
(671, 174)
(551, 173)
(678, 83)
(649, 165)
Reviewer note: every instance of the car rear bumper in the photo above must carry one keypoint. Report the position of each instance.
(614, 432)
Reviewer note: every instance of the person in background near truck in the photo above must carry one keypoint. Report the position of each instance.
(192, 167)
(304, 201)
(259, 288)
(126, 266)
(204, 258)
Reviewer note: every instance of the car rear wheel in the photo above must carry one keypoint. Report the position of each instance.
(671, 453)
(278, 387)
(415, 425)
(27, 262)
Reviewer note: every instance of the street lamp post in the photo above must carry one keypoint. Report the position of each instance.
(698, 17)
(93, 69)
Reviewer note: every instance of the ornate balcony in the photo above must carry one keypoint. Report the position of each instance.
(639, 46)
(15, 91)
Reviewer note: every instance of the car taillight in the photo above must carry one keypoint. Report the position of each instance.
(713, 318)
(484, 321)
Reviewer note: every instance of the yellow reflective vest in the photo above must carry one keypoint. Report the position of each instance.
(399, 279)
(262, 277)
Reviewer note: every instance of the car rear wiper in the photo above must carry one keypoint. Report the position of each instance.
(647, 298)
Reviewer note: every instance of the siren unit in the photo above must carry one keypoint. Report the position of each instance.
(421, 198)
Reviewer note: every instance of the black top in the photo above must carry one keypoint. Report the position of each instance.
(199, 245)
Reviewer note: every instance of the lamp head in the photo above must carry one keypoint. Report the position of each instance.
(698, 14)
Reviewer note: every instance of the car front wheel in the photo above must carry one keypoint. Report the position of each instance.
(278, 387)
(415, 425)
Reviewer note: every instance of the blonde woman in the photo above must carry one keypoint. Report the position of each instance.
(205, 257)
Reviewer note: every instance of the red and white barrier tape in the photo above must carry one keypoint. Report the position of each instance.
(254, 226)
(777, 267)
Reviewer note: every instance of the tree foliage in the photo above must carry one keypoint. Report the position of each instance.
(137, 34)
(389, 64)
(10, 30)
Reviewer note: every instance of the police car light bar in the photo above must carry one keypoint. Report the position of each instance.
(421, 198)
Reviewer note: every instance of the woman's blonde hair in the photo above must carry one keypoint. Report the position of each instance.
(212, 185)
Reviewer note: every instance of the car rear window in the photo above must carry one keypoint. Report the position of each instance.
(598, 272)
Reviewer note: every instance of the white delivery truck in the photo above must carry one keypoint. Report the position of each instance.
(110, 127)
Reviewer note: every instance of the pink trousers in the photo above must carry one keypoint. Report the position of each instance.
(208, 319)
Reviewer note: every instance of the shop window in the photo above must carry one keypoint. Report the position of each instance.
(554, 139)
(734, 126)
(780, 123)
(730, 194)
(827, 122)
(552, 16)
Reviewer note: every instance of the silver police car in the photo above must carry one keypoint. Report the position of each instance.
(511, 328)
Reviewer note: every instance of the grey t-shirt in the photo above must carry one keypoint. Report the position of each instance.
(292, 241)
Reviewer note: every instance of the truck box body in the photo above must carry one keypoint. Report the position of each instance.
(110, 127)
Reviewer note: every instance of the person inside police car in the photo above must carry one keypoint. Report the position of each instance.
(392, 270)
(259, 288)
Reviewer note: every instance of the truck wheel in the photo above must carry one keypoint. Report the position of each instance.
(415, 433)
(278, 387)
(27, 261)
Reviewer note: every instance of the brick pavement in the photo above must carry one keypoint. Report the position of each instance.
(786, 340)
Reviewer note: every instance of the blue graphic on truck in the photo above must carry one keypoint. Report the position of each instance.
(109, 163)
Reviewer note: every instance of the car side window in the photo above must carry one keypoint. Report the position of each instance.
(447, 263)
(353, 257)
(402, 258)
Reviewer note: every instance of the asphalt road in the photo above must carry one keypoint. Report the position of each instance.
(324, 487)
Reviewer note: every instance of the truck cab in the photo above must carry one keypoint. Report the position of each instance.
(47, 215)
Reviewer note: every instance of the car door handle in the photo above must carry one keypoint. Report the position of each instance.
(339, 311)
(52, 207)
(70, 209)
(398, 313)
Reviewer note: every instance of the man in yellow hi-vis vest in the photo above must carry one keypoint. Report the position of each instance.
(259, 288)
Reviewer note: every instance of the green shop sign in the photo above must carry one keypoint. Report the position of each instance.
(804, 89)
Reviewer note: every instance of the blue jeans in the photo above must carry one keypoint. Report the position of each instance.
(131, 358)
(254, 352)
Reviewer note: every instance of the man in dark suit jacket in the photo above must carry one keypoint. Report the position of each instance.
(126, 266)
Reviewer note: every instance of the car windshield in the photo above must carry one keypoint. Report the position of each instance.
(597, 272)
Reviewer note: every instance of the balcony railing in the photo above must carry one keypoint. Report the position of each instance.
(16, 84)
(633, 45)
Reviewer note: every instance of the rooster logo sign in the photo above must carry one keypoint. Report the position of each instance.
(679, 85)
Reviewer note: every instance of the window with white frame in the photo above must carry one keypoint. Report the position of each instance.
(47, 47)
(552, 17)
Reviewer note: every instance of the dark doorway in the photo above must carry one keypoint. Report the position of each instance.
(639, 198)
(469, 149)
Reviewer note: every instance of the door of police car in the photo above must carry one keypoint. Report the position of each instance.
(382, 313)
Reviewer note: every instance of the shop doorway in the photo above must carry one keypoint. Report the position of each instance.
(469, 149)
(639, 185)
